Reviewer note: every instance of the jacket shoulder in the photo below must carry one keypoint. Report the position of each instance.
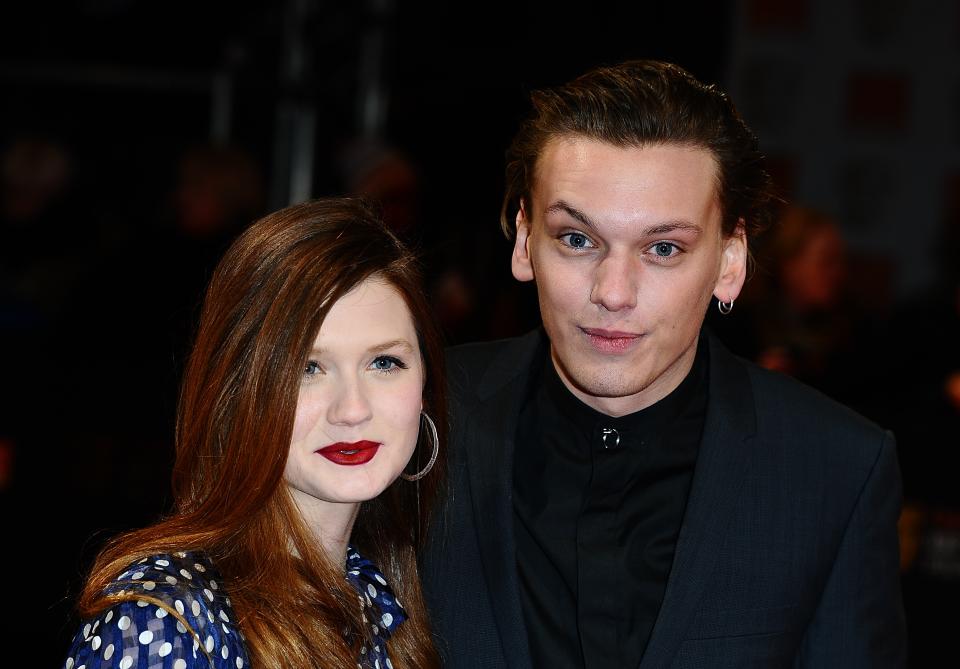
(792, 410)
(476, 367)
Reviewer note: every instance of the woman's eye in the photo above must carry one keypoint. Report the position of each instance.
(665, 249)
(312, 368)
(387, 363)
(576, 240)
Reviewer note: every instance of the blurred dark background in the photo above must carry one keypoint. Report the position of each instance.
(137, 139)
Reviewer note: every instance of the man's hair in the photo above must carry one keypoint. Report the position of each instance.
(638, 103)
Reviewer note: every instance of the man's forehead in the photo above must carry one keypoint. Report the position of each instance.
(595, 177)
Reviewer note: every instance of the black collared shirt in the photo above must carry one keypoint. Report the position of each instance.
(598, 503)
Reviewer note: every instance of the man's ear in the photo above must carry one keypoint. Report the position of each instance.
(733, 265)
(520, 261)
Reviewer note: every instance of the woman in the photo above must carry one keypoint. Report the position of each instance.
(314, 376)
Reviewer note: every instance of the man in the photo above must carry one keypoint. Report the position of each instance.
(625, 492)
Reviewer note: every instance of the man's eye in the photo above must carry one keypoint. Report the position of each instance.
(664, 249)
(576, 240)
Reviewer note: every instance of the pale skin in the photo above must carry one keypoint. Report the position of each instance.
(363, 381)
(626, 247)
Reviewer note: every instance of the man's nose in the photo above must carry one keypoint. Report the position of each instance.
(615, 282)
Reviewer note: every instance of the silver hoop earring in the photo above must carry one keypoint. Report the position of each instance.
(725, 307)
(433, 456)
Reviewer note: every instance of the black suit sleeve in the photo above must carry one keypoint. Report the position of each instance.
(859, 620)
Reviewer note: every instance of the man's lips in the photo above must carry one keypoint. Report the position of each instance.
(350, 453)
(611, 341)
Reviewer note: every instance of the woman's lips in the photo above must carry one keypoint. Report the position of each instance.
(349, 453)
(611, 341)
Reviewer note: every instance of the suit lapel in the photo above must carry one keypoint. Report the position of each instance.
(492, 427)
(723, 459)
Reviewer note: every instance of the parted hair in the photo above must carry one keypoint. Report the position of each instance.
(262, 311)
(639, 103)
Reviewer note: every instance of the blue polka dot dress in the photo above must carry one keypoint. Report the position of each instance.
(139, 634)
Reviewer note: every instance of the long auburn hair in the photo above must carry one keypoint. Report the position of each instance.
(262, 311)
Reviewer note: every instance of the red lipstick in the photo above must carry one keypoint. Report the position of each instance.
(349, 454)
(611, 341)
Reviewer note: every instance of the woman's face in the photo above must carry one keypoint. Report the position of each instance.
(358, 411)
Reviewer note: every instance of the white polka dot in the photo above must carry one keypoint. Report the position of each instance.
(96, 624)
(379, 579)
(69, 664)
(372, 590)
(126, 662)
(181, 628)
(161, 613)
(108, 652)
(86, 631)
(224, 652)
(149, 585)
(162, 563)
(196, 645)
(376, 664)
(186, 574)
(209, 594)
(137, 576)
(171, 580)
(108, 617)
(226, 630)
(389, 664)
(178, 605)
(142, 602)
(239, 663)
(143, 560)
(195, 607)
(123, 623)
(165, 649)
(213, 584)
(209, 644)
(376, 630)
(210, 616)
(387, 619)
(180, 554)
(199, 567)
(95, 644)
(223, 617)
(180, 664)
(145, 637)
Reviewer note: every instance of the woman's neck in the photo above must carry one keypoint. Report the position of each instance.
(330, 523)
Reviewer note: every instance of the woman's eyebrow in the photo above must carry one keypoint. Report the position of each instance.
(392, 344)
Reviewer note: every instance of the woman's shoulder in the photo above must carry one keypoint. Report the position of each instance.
(169, 610)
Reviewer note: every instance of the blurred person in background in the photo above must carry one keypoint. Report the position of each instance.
(921, 376)
(800, 314)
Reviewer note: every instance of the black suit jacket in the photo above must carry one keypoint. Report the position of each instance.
(787, 556)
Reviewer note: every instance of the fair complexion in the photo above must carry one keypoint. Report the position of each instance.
(626, 248)
(358, 411)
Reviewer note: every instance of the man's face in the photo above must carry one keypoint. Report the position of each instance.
(626, 248)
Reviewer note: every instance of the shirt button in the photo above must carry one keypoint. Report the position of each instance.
(609, 438)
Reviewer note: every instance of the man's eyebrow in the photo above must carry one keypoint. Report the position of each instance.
(672, 226)
(663, 228)
(562, 207)
(376, 348)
